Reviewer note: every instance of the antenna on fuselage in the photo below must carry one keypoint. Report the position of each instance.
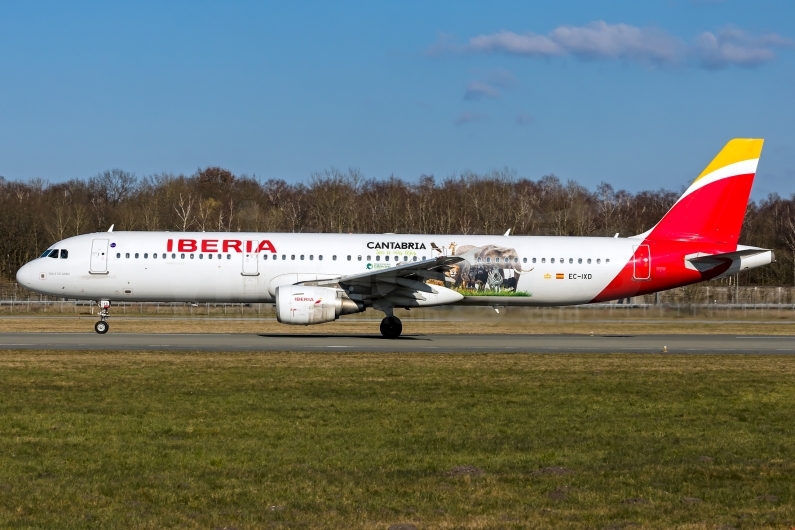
(111, 228)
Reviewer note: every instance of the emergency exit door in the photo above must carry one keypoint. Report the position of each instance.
(99, 256)
(642, 261)
(250, 261)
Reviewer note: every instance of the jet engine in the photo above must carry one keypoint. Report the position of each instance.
(305, 304)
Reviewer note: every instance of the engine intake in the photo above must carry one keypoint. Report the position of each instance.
(305, 304)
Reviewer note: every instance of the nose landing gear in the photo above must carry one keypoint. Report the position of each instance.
(102, 326)
(391, 327)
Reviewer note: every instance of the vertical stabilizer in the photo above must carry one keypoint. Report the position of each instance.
(713, 207)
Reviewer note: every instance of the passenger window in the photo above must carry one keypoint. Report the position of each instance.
(146, 255)
(488, 260)
(334, 257)
(191, 256)
(320, 257)
(543, 260)
(264, 256)
(360, 258)
(480, 259)
(589, 261)
(405, 258)
(415, 258)
(164, 255)
(552, 260)
(579, 260)
(571, 260)
(284, 256)
(54, 253)
(174, 256)
(598, 261)
(607, 260)
(562, 260)
(209, 256)
(292, 256)
(423, 258)
(154, 255)
(201, 256)
(377, 258)
(127, 255)
(118, 254)
(302, 257)
(534, 260)
(182, 256)
(369, 258)
(311, 257)
(64, 253)
(229, 256)
(136, 255)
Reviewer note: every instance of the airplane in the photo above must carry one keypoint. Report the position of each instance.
(316, 278)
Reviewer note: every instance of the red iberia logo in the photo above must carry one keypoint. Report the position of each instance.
(220, 245)
(559, 276)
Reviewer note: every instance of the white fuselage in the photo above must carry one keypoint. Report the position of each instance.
(247, 267)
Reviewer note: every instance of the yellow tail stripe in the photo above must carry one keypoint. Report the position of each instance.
(737, 150)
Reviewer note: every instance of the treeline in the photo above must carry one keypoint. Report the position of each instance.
(35, 214)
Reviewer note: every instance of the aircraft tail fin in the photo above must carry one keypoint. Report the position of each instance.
(713, 207)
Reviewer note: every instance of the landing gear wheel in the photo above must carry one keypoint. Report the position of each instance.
(101, 327)
(391, 327)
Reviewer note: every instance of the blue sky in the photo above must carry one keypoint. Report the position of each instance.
(638, 94)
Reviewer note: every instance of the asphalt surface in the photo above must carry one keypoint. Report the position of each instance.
(217, 342)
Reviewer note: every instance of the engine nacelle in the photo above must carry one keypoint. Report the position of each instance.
(304, 304)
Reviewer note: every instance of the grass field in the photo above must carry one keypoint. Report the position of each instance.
(199, 440)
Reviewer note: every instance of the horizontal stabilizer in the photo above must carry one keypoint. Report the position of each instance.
(741, 259)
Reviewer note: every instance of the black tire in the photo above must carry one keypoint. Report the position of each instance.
(101, 327)
(391, 327)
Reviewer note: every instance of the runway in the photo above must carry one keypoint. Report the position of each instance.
(295, 342)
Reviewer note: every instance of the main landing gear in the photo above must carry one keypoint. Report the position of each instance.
(391, 327)
(102, 326)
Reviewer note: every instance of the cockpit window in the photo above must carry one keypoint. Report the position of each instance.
(46, 253)
(64, 253)
(54, 253)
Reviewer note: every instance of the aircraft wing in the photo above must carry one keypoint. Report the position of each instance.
(438, 266)
(401, 286)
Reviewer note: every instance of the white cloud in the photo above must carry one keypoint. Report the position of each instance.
(470, 117)
(524, 118)
(736, 47)
(491, 85)
(509, 42)
(478, 90)
(618, 41)
(600, 40)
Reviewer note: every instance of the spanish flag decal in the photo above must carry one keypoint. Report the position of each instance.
(559, 276)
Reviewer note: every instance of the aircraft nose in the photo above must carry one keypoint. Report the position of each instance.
(23, 275)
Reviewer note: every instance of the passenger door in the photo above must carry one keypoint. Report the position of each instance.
(250, 261)
(99, 256)
(642, 263)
